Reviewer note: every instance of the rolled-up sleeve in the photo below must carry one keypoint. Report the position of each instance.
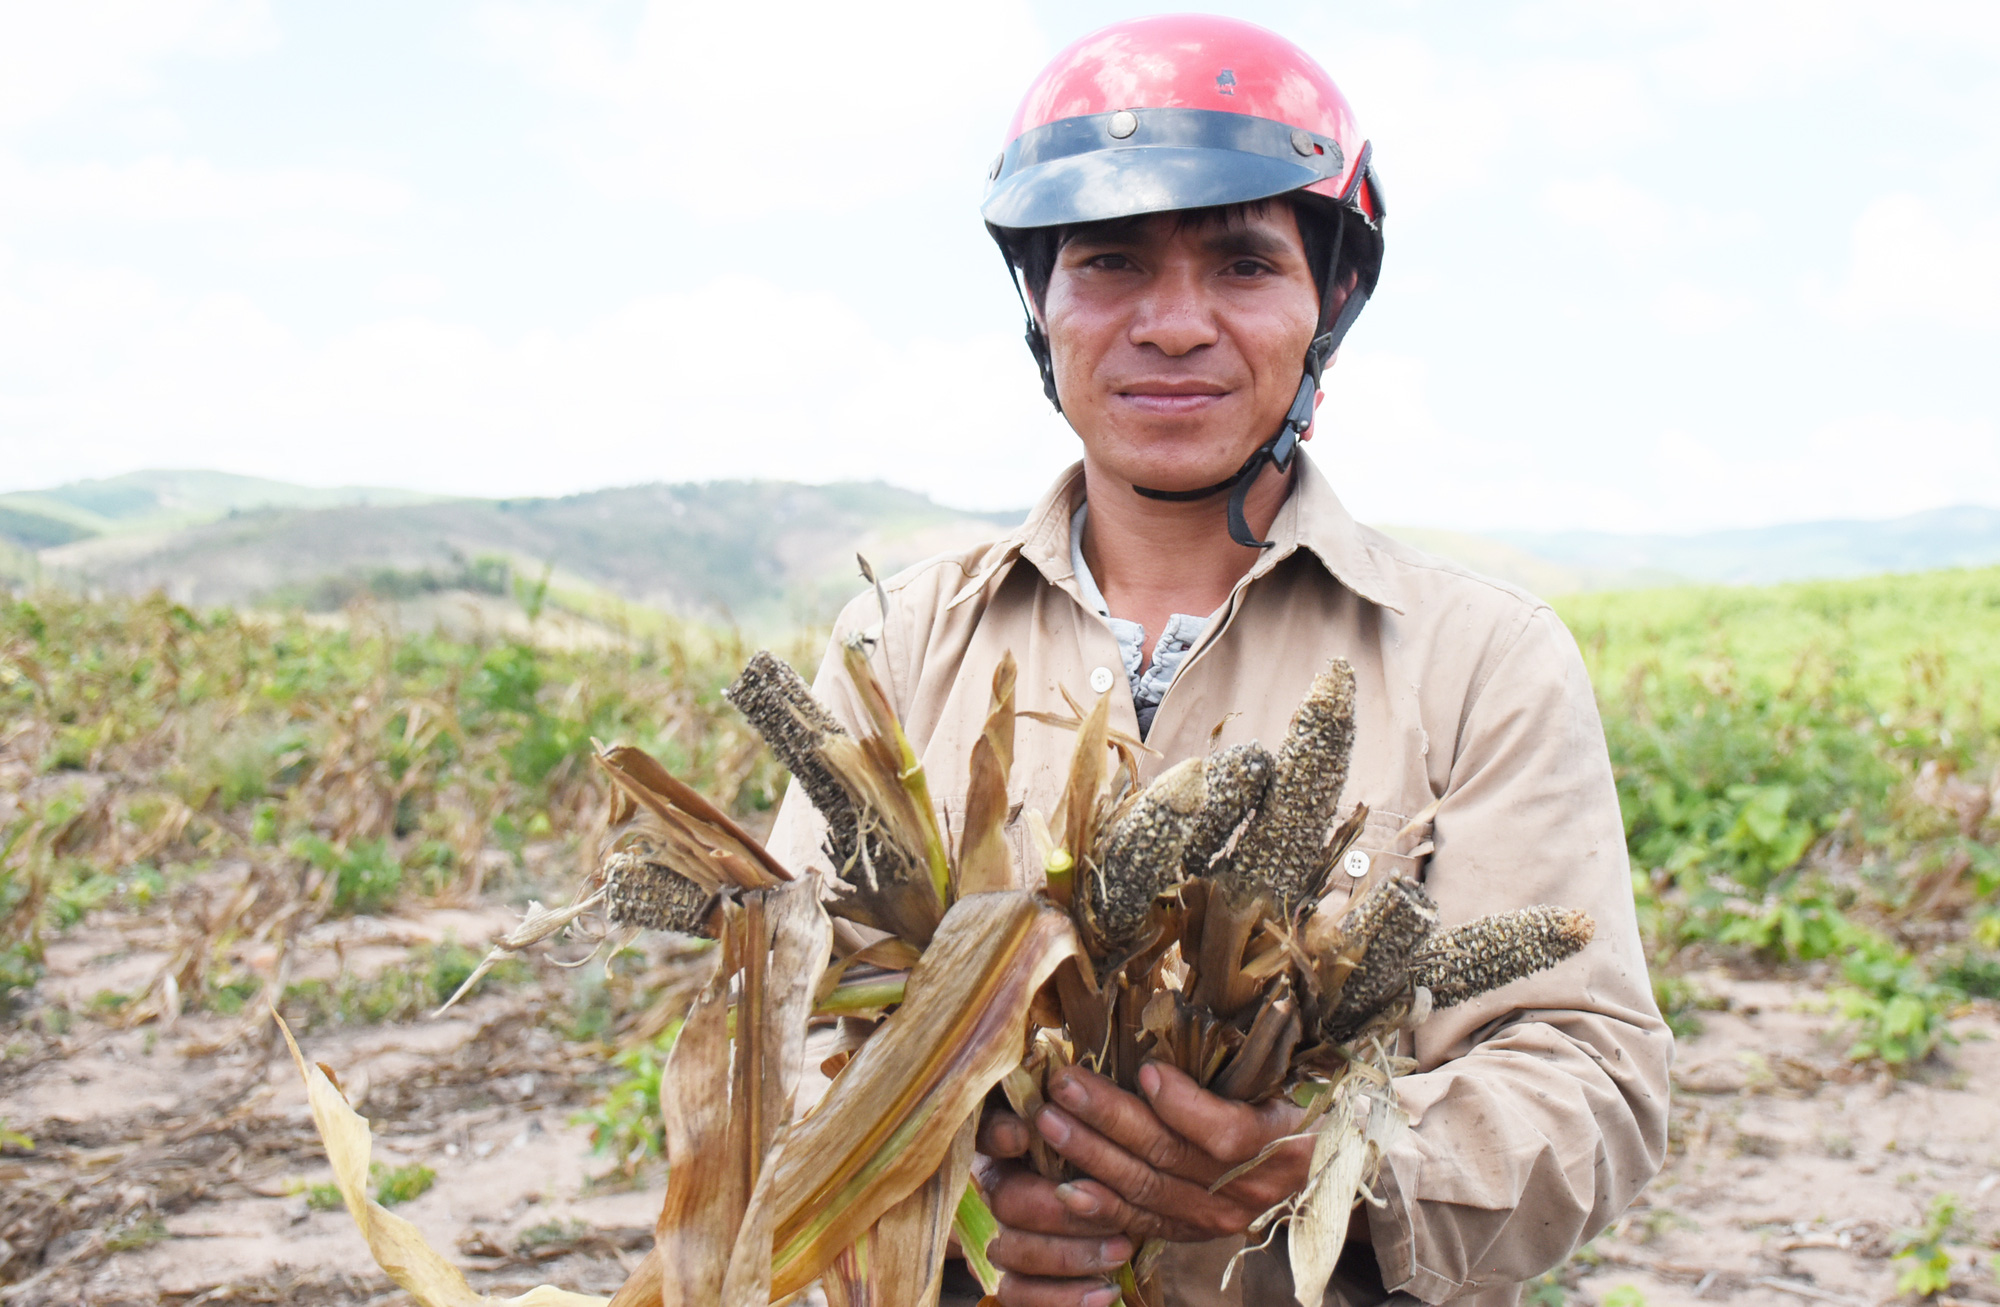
(1539, 1110)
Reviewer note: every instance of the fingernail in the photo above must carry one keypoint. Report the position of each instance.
(1080, 1201)
(1055, 1127)
(1149, 1080)
(1069, 1090)
(1115, 1251)
(1101, 1297)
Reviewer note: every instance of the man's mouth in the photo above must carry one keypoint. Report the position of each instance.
(1172, 398)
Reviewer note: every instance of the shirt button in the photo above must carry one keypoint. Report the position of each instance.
(1100, 679)
(1356, 863)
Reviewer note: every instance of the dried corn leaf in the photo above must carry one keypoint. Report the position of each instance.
(1364, 1120)
(894, 1115)
(395, 1244)
(727, 1104)
(900, 1261)
(714, 849)
(923, 835)
(984, 862)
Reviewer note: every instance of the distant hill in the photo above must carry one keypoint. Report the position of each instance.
(760, 553)
(164, 499)
(1963, 536)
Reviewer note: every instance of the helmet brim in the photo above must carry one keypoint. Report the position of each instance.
(1126, 183)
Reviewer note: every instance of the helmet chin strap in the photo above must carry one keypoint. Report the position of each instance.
(1278, 451)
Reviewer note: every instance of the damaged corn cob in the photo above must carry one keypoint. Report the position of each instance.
(1466, 961)
(1283, 853)
(1145, 853)
(641, 890)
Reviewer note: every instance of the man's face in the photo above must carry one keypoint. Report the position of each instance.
(1178, 348)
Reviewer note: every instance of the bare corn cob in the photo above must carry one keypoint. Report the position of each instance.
(639, 891)
(1284, 851)
(1378, 937)
(1144, 855)
(1467, 961)
(779, 703)
(1238, 778)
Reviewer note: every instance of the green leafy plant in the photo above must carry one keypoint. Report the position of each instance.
(1926, 1264)
(625, 1122)
(1898, 1014)
(399, 1184)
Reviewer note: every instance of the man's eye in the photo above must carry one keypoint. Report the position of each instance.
(1111, 262)
(1247, 268)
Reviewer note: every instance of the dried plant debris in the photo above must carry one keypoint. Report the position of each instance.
(642, 891)
(1237, 780)
(1144, 854)
(1466, 961)
(1379, 936)
(1283, 853)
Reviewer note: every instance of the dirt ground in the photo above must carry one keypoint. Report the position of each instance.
(168, 1164)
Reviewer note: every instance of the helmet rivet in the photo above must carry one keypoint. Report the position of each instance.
(1123, 124)
(1302, 141)
(994, 172)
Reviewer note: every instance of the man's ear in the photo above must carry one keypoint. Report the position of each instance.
(1319, 397)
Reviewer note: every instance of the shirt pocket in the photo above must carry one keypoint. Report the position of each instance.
(1387, 846)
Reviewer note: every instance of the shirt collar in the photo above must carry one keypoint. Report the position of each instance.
(1312, 518)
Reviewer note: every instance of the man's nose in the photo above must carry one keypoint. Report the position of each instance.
(1172, 314)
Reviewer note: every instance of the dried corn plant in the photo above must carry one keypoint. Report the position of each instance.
(1186, 921)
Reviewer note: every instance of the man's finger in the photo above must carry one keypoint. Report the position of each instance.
(1094, 1201)
(1002, 1134)
(1057, 1255)
(1036, 1291)
(1128, 1122)
(1022, 1200)
(1132, 1179)
(1229, 1131)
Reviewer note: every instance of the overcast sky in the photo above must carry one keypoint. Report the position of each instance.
(1652, 265)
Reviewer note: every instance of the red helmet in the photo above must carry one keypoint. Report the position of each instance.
(1190, 111)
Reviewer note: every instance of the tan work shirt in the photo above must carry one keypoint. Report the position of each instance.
(1540, 1110)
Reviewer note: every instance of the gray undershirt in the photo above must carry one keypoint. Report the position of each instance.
(1169, 653)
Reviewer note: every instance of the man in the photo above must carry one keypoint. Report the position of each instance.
(1197, 223)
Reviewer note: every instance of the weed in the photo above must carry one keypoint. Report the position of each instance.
(1624, 1295)
(1926, 1262)
(625, 1124)
(142, 1231)
(1898, 1014)
(400, 1184)
(1974, 974)
(14, 1139)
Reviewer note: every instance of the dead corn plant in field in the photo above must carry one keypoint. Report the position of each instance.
(1180, 921)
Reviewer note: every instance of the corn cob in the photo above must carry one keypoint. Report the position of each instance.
(1467, 961)
(1238, 778)
(1144, 854)
(779, 703)
(1378, 937)
(639, 891)
(1284, 851)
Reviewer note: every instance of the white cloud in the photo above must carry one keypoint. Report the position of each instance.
(800, 107)
(54, 56)
(101, 373)
(1865, 465)
(164, 188)
(1692, 310)
(1628, 217)
(1907, 262)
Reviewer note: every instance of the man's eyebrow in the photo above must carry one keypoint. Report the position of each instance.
(1246, 241)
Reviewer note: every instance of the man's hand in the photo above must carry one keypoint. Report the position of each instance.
(1148, 1178)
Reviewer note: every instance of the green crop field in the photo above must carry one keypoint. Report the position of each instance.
(1807, 775)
